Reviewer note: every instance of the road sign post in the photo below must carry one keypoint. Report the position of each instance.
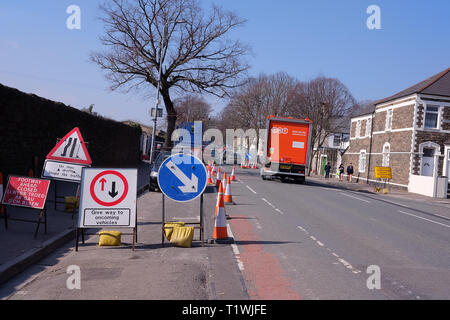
(108, 199)
(182, 178)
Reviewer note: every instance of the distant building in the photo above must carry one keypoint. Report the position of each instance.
(409, 132)
(146, 138)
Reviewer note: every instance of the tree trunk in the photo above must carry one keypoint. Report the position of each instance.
(171, 118)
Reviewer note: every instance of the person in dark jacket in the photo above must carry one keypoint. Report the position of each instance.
(341, 172)
(350, 172)
(327, 170)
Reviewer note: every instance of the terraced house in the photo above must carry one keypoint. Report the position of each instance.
(409, 132)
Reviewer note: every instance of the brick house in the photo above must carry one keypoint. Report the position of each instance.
(409, 132)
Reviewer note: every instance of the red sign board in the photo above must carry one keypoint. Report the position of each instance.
(26, 192)
(71, 149)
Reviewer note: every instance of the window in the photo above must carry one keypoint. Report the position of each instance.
(389, 119)
(368, 127)
(386, 154)
(336, 140)
(358, 129)
(362, 161)
(431, 117)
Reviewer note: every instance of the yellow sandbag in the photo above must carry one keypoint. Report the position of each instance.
(110, 238)
(71, 202)
(182, 236)
(168, 228)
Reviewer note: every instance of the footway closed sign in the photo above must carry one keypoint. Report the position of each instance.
(108, 198)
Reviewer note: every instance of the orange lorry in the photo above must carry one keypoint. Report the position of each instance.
(288, 148)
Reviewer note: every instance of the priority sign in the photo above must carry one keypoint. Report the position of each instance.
(108, 198)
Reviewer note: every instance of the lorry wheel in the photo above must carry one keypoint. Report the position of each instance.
(263, 177)
(300, 180)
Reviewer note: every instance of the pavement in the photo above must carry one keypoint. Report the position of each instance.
(19, 247)
(154, 271)
(393, 193)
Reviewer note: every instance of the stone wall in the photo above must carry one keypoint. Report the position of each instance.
(30, 125)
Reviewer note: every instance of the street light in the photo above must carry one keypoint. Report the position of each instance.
(157, 113)
(155, 118)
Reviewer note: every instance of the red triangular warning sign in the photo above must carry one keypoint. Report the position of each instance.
(71, 149)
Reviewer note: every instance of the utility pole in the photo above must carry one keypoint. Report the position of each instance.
(155, 118)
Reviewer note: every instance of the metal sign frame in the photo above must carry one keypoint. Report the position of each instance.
(82, 231)
(42, 211)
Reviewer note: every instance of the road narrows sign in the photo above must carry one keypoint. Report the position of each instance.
(182, 177)
(108, 198)
(71, 149)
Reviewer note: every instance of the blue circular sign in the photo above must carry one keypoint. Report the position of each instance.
(182, 177)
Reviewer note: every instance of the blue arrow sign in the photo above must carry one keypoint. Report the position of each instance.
(182, 177)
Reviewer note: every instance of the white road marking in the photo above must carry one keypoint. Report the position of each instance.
(413, 215)
(313, 238)
(235, 249)
(319, 243)
(279, 211)
(334, 254)
(251, 190)
(264, 199)
(347, 195)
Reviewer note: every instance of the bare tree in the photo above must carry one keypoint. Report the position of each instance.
(260, 97)
(190, 46)
(328, 103)
(192, 108)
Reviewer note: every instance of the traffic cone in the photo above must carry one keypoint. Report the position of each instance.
(228, 197)
(220, 226)
(233, 177)
(213, 170)
(224, 177)
(209, 181)
(31, 173)
(219, 194)
(218, 179)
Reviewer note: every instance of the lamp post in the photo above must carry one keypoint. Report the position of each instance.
(155, 118)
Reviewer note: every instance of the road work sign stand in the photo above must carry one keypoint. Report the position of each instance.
(382, 174)
(66, 161)
(182, 178)
(28, 193)
(108, 199)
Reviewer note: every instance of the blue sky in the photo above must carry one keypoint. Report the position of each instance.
(38, 54)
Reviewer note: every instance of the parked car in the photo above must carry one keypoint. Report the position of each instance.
(153, 184)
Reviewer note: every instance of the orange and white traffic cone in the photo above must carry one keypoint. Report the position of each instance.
(224, 179)
(213, 170)
(220, 226)
(218, 179)
(219, 194)
(228, 198)
(209, 181)
(233, 177)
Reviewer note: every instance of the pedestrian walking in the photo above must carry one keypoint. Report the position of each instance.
(341, 172)
(327, 170)
(350, 172)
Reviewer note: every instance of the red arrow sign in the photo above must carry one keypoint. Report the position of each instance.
(103, 181)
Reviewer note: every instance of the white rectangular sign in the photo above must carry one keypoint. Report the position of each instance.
(108, 198)
(62, 171)
(298, 145)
